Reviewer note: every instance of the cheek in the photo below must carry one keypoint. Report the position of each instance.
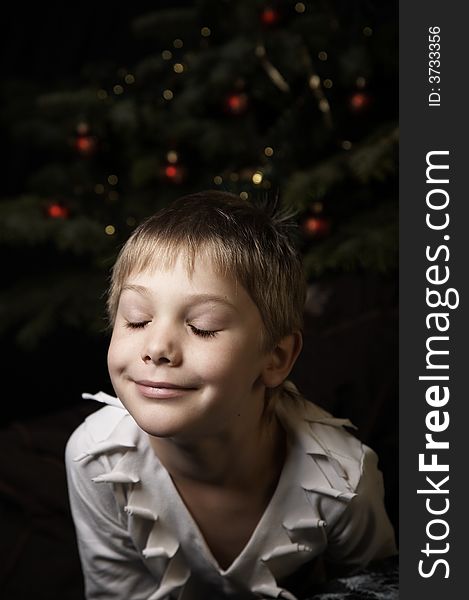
(235, 363)
(115, 355)
(111, 359)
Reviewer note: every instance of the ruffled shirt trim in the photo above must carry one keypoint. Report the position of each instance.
(320, 476)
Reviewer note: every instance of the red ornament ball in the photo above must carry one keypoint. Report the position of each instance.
(174, 173)
(85, 145)
(57, 211)
(359, 101)
(270, 16)
(236, 104)
(171, 171)
(317, 226)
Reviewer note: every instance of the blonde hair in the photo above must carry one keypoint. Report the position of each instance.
(253, 244)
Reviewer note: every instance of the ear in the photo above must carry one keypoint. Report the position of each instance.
(279, 361)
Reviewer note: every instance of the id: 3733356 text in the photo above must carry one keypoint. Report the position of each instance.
(434, 63)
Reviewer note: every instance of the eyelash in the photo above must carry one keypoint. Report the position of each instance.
(203, 332)
(139, 325)
(200, 332)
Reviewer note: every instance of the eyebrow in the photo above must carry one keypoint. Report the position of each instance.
(140, 289)
(200, 298)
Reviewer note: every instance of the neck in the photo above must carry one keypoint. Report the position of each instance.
(237, 460)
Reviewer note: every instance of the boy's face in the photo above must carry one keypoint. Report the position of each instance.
(200, 333)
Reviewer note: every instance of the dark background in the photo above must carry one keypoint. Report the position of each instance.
(50, 45)
(348, 364)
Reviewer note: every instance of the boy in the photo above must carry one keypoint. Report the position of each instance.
(211, 476)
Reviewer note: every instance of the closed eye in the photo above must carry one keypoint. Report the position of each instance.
(137, 325)
(199, 332)
(203, 332)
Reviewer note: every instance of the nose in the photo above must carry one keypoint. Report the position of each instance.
(160, 344)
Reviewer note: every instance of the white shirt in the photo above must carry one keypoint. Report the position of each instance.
(138, 541)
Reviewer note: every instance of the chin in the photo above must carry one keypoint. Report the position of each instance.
(154, 422)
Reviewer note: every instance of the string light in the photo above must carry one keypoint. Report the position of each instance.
(257, 177)
(324, 105)
(346, 145)
(178, 43)
(131, 221)
(167, 55)
(172, 156)
(367, 31)
(315, 85)
(168, 95)
(101, 94)
(328, 83)
(83, 128)
(178, 68)
(217, 180)
(112, 179)
(360, 82)
(205, 32)
(99, 188)
(314, 82)
(129, 79)
(268, 151)
(113, 196)
(300, 7)
(110, 229)
(244, 195)
(118, 89)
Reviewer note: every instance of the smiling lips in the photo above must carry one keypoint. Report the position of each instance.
(160, 389)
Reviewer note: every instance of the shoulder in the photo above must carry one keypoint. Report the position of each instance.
(342, 482)
(101, 443)
(94, 430)
(325, 441)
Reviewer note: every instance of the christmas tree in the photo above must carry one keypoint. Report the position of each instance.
(291, 98)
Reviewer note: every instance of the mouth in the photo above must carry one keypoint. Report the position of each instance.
(162, 384)
(161, 389)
